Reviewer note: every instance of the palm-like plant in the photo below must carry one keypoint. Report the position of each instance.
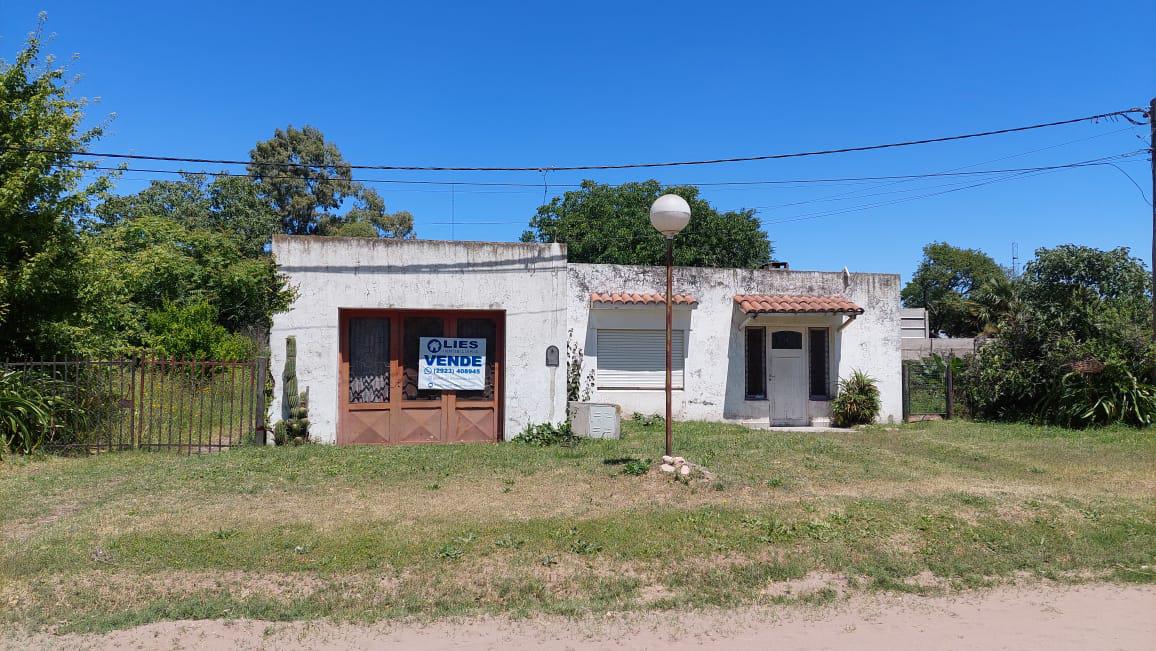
(858, 401)
(994, 301)
(25, 413)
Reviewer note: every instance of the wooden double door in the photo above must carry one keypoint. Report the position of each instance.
(379, 399)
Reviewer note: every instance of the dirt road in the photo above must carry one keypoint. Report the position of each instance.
(1035, 617)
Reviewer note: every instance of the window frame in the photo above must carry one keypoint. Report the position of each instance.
(826, 395)
(762, 354)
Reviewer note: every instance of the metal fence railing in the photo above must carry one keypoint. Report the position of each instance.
(158, 404)
(931, 389)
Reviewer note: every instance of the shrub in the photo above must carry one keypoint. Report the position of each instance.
(857, 402)
(636, 467)
(544, 434)
(647, 420)
(1111, 395)
(31, 407)
(1076, 351)
(577, 389)
(191, 331)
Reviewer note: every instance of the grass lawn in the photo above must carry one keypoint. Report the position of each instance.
(373, 533)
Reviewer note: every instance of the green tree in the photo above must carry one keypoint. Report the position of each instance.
(226, 204)
(946, 283)
(148, 265)
(41, 196)
(307, 182)
(1083, 288)
(611, 224)
(1074, 347)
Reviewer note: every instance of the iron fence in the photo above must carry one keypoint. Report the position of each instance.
(153, 404)
(931, 388)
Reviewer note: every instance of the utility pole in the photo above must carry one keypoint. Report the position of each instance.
(1152, 158)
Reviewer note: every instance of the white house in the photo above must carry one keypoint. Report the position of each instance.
(377, 324)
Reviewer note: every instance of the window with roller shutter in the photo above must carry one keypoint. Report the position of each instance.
(636, 359)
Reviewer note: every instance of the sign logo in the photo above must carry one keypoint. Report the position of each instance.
(453, 363)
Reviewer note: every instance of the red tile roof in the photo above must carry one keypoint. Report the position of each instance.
(778, 304)
(624, 298)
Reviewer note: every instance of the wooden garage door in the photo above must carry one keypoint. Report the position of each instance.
(379, 399)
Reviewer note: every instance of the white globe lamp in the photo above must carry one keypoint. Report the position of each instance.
(669, 214)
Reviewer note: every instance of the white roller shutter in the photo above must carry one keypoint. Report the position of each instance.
(636, 359)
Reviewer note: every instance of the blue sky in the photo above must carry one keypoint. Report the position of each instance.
(575, 83)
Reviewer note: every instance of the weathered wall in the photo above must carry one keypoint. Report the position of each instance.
(944, 346)
(714, 388)
(527, 281)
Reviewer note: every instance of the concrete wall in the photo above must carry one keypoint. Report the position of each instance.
(945, 346)
(714, 375)
(527, 281)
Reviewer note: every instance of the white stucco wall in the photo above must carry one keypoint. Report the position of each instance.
(714, 375)
(527, 281)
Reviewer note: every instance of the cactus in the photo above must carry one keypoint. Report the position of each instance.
(294, 429)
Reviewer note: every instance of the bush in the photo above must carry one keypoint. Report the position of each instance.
(192, 332)
(1076, 350)
(636, 467)
(1111, 395)
(31, 407)
(647, 420)
(857, 402)
(544, 434)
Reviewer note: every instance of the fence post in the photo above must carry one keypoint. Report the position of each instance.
(141, 404)
(906, 391)
(132, 406)
(949, 388)
(259, 431)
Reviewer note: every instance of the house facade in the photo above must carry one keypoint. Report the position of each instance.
(429, 341)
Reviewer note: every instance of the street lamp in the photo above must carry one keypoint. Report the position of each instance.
(669, 214)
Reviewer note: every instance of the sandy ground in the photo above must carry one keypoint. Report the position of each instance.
(1037, 617)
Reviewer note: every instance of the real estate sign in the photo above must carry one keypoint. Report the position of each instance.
(452, 363)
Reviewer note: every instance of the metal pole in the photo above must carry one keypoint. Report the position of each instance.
(1152, 155)
(906, 374)
(949, 389)
(669, 310)
(259, 416)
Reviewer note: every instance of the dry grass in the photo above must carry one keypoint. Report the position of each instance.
(373, 534)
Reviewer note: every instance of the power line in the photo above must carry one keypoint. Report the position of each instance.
(1029, 173)
(1005, 175)
(555, 168)
(859, 191)
(844, 196)
(924, 175)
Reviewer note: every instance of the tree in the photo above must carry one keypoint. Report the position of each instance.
(143, 267)
(946, 282)
(1074, 347)
(226, 204)
(41, 195)
(1084, 288)
(307, 181)
(611, 224)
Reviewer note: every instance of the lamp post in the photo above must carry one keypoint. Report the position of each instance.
(669, 214)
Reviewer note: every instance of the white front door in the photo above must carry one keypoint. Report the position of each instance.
(788, 378)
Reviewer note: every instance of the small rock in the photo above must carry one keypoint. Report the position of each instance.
(666, 458)
(684, 471)
(666, 467)
(678, 461)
